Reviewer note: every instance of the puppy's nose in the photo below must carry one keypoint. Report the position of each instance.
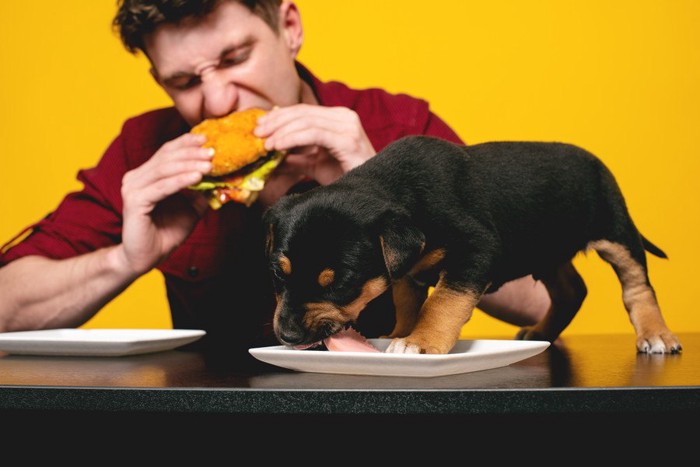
(291, 336)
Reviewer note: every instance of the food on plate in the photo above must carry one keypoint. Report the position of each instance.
(349, 340)
(241, 165)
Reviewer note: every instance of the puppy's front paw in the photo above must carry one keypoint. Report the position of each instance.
(401, 346)
(412, 346)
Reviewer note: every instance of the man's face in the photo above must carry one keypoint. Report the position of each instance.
(230, 60)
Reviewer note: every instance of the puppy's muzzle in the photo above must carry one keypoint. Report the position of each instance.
(291, 330)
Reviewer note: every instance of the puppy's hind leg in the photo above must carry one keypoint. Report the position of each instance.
(629, 263)
(567, 292)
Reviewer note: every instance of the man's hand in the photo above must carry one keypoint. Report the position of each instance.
(41, 293)
(158, 213)
(322, 142)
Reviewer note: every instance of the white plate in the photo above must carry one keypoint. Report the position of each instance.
(466, 356)
(96, 342)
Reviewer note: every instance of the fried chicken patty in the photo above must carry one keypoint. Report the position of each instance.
(233, 140)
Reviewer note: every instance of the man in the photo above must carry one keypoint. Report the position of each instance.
(135, 214)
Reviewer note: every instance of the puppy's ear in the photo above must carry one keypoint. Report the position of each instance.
(269, 240)
(269, 220)
(402, 243)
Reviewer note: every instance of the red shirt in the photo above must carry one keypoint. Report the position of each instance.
(218, 279)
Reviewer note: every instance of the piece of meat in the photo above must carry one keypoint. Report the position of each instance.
(349, 340)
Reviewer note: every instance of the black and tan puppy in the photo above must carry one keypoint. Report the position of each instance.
(464, 219)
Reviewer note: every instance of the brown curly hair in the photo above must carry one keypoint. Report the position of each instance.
(135, 19)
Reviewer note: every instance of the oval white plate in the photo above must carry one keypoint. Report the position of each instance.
(466, 356)
(96, 342)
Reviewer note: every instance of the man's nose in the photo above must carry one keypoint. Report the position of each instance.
(219, 94)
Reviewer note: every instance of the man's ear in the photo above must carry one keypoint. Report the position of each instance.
(290, 26)
(402, 243)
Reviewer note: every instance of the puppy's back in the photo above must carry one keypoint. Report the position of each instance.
(488, 176)
(533, 193)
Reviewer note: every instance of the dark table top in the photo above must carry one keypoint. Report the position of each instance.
(577, 375)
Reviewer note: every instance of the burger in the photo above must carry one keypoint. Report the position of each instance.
(241, 165)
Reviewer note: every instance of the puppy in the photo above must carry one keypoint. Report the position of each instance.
(465, 219)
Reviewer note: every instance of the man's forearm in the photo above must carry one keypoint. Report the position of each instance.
(40, 293)
(522, 302)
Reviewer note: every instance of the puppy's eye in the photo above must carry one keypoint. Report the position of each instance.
(281, 268)
(277, 274)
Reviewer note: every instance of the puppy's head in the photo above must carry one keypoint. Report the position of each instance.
(328, 261)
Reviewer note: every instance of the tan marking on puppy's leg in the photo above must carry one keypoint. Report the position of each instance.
(409, 294)
(328, 315)
(440, 321)
(653, 336)
(408, 298)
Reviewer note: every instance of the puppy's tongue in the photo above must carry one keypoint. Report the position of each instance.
(349, 340)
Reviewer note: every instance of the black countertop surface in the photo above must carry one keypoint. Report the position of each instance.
(577, 375)
(591, 388)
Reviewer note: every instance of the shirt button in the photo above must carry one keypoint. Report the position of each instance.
(193, 271)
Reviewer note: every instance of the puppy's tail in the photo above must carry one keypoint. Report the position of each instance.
(653, 249)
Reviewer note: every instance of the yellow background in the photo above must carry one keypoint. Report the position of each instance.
(620, 78)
